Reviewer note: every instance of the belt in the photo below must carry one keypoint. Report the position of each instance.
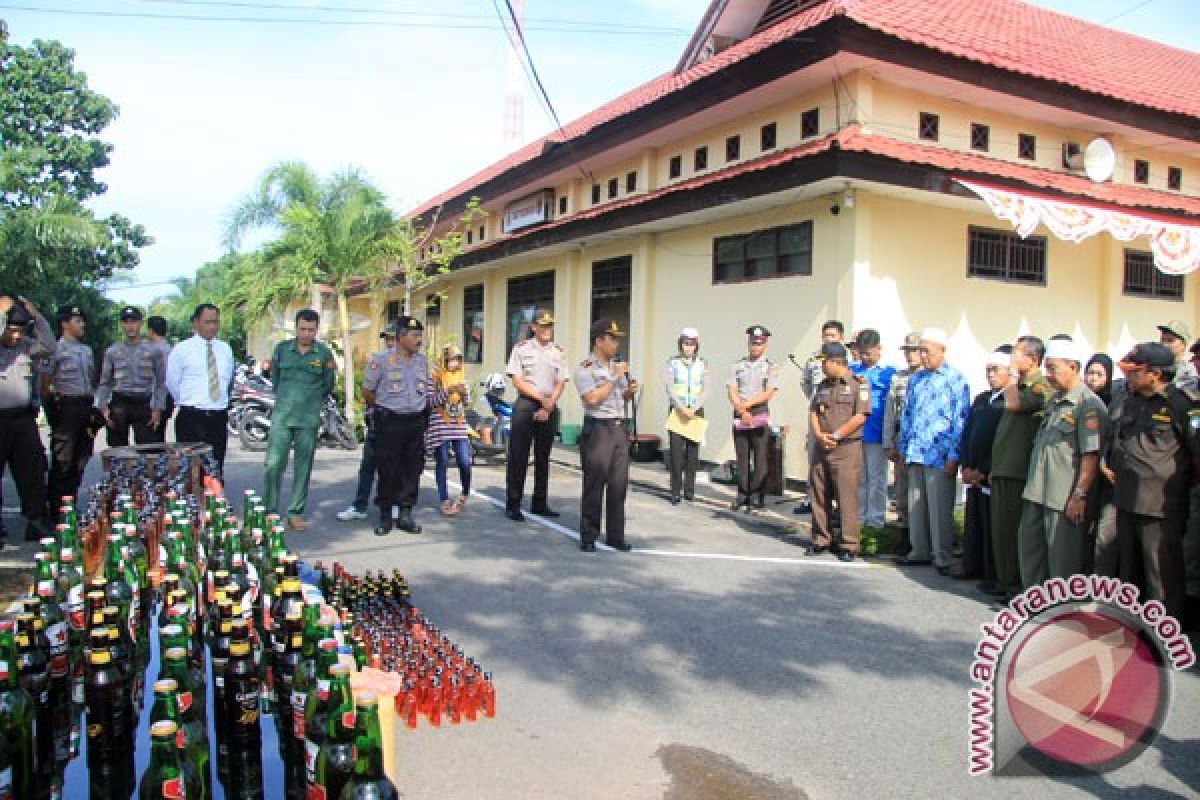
(14, 413)
(606, 420)
(71, 399)
(131, 398)
(387, 412)
(204, 412)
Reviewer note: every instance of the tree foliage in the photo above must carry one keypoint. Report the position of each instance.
(214, 284)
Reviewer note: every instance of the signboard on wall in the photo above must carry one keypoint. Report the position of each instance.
(529, 210)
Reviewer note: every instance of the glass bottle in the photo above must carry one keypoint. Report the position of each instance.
(193, 761)
(368, 781)
(245, 735)
(16, 715)
(335, 761)
(164, 778)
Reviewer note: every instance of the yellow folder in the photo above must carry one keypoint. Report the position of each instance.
(692, 429)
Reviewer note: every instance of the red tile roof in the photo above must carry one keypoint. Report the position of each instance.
(853, 139)
(1007, 34)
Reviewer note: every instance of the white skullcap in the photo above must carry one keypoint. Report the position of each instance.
(997, 358)
(689, 333)
(935, 335)
(1065, 349)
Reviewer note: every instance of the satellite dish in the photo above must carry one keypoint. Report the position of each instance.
(1099, 160)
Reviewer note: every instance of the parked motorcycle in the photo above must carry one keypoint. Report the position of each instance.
(250, 392)
(499, 425)
(335, 431)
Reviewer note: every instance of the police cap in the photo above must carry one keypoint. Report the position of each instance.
(19, 316)
(835, 350)
(758, 333)
(604, 325)
(1151, 355)
(68, 311)
(543, 317)
(405, 324)
(131, 312)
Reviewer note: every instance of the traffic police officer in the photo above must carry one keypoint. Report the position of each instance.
(132, 389)
(840, 406)
(604, 387)
(753, 381)
(69, 398)
(1063, 465)
(1155, 460)
(20, 444)
(538, 369)
(303, 373)
(399, 388)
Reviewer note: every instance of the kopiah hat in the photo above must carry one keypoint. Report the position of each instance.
(66, 312)
(999, 358)
(911, 342)
(1147, 355)
(543, 317)
(835, 350)
(935, 335)
(605, 326)
(758, 333)
(405, 324)
(1177, 328)
(131, 312)
(1066, 349)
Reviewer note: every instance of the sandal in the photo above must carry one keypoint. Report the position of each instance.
(448, 508)
(460, 503)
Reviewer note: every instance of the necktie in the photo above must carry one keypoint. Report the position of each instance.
(214, 386)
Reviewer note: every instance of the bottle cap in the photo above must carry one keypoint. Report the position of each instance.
(175, 653)
(239, 648)
(99, 658)
(164, 729)
(366, 700)
(166, 686)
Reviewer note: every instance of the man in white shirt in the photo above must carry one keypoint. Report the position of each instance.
(199, 374)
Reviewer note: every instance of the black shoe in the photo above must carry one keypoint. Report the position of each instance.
(944, 571)
(587, 547)
(514, 514)
(760, 503)
(905, 561)
(406, 522)
(545, 511)
(845, 556)
(815, 549)
(689, 496)
(620, 547)
(385, 522)
(674, 499)
(803, 508)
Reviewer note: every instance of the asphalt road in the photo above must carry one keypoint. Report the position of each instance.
(714, 661)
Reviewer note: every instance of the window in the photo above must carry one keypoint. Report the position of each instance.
(482, 230)
(473, 324)
(612, 188)
(1175, 179)
(771, 253)
(562, 205)
(766, 137)
(631, 182)
(526, 295)
(927, 126)
(1141, 171)
(675, 167)
(595, 193)
(701, 159)
(612, 288)
(810, 123)
(733, 148)
(980, 134)
(1026, 146)
(470, 236)
(1143, 279)
(433, 318)
(1005, 256)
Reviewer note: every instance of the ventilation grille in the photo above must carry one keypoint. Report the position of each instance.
(779, 10)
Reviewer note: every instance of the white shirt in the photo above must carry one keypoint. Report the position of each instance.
(187, 373)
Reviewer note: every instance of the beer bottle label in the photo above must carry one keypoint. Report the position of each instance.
(44, 586)
(322, 690)
(180, 739)
(311, 751)
(184, 699)
(6, 783)
(59, 661)
(315, 792)
(75, 607)
(298, 701)
(348, 720)
(172, 789)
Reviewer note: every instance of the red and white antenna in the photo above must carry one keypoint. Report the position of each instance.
(514, 85)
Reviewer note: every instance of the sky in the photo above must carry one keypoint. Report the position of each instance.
(414, 100)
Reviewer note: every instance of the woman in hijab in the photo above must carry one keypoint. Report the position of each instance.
(1101, 514)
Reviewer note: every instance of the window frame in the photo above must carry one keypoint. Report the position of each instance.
(474, 299)
(1027, 146)
(674, 167)
(1010, 238)
(981, 137)
(596, 194)
(810, 123)
(631, 182)
(527, 298)
(1141, 171)
(733, 148)
(700, 158)
(1175, 179)
(754, 253)
(928, 126)
(768, 137)
(563, 205)
(1156, 290)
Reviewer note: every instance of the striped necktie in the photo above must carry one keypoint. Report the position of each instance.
(214, 386)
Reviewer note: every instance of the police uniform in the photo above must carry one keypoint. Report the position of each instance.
(603, 449)
(159, 434)
(545, 367)
(20, 443)
(750, 378)
(70, 373)
(132, 385)
(1048, 544)
(836, 473)
(402, 389)
(1154, 460)
(302, 381)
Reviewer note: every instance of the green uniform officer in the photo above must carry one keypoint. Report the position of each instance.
(303, 373)
(1024, 406)
(1063, 466)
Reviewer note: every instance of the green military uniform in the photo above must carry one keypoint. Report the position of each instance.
(1048, 544)
(1010, 467)
(302, 381)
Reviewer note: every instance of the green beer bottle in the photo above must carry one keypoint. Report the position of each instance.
(335, 761)
(164, 778)
(369, 781)
(16, 715)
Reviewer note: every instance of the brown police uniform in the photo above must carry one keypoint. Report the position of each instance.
(835, 473)
(1155, 460)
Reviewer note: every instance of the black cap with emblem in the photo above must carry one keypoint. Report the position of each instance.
(131, 312)
(604, 325)
(406, 324)
(67, 312)
(758, 333)
(835, 350)
(1148, 354)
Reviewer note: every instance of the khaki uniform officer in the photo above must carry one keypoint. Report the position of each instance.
(753, 381)
(69, 395)
(840, 406)
(538, 368)
(1155, 460)
(893, 411)
(399, 388)
(132, 389)
(604, 387)
(1062, 467)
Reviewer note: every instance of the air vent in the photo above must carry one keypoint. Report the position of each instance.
(779, 10)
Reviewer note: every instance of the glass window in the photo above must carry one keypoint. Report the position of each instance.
(526, 294)
(770, 253)
(473, 324)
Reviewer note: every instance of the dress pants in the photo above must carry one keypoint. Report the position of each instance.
(832, 475)
(900, 492)
(930, 514)
(525, 432)
(1156, 544)
(872, 486)
(205, 427)
(978, 561)
(366, 473)
(22, 452)
(1007, 506)
(126, 413)
(280, 442)
(400, 457)
(747, 442)
(604, 451)
(685, 460)
(1191, 545)
(70, 448)
(1048, 545)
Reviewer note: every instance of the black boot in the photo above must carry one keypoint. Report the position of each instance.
(406, 522)
(385, 522)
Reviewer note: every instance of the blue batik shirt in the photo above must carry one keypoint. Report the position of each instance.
(934, 416)
(879, 379)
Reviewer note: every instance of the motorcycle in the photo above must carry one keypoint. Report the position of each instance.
(499, 425)
(335, 431)
(249, 392)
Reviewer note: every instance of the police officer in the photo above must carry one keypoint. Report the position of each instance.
(303, 373)
(1063, 465)
(156, 335)
(398, 387)
(366, 465)
(687, 378)
(132, 389)
(893, 411)
(604, 387)
(20, 443)
(1155, 459)
(753, 381)
(69, 397)
(538, 369)
(840, 406)
(1175, 336)
(832, 331)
